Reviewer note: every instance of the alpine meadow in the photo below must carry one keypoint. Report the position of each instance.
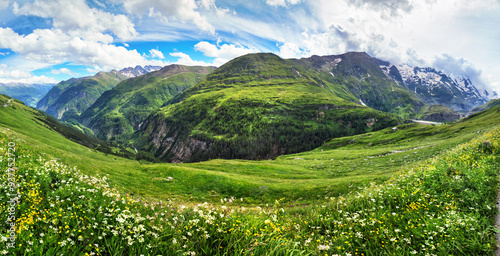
(273, 127)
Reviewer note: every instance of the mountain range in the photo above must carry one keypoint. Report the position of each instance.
(436, 87)
(121, 110)
(30, 94)
(73, 96)
(256, 106)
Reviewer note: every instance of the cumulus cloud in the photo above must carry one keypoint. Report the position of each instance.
(185, 59)
(291, 50)
(392, 7)
(78, 19)
(282, 3)
(164, 10)
(156, 54)
(53, 46)
(62, 71)
(223, 53)
(7, 75)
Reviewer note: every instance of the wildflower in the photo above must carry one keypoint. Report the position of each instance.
(323, 247)
(174, 241)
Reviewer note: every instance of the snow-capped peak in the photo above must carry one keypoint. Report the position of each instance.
(436, 87)
(138, 70)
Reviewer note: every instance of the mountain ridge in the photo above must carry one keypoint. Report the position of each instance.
(436, 87)
(121, 110)
(73, 96)
(256, 106)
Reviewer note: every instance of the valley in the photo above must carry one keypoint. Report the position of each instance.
(336, 198)
(249, 128)
(262, 155)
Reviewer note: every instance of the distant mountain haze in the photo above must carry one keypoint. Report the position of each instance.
(73, 96)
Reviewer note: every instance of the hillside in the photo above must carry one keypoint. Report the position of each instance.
(329, 170)
(406, 182)
(71, 97)
(30, 94)
(439, 113)
(121, 110)
(485, 106)
(358, 77)
(255, 106)
(438, 88)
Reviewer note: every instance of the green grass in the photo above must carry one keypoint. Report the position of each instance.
(442, 204)
(331, 170)
(486, 106)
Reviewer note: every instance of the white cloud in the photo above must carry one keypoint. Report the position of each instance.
(62, 71)
(78, 19)
(291, 50)
(282, 3)
(156, 54)
(164, 10)
(4, 4)
(223, 53)
(8, 75)
(185, 59)
(459, 66)
(54, 46)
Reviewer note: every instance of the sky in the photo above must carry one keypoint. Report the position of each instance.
(46, 41)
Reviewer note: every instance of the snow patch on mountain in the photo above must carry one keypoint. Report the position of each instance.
(138, 70)
(362, 103)
(433, 86)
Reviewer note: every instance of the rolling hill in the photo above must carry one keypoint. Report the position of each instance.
(413, 180)
(485, 106)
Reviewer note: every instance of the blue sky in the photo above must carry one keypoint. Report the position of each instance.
(48, 41)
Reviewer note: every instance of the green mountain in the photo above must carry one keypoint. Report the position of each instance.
(416, 177)
(121, 110)
(27, 93)
(439, 113)
(254, 107)
(486, 106)
(358, 77)
(71, 97)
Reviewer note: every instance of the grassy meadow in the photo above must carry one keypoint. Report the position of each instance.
(417, 190)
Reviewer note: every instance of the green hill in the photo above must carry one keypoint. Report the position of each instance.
(411, 185)
(71, 97)
(439, 113)
(121, 110)
(330, 170)
(255, 106)
(486, 106)
(358, 77)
